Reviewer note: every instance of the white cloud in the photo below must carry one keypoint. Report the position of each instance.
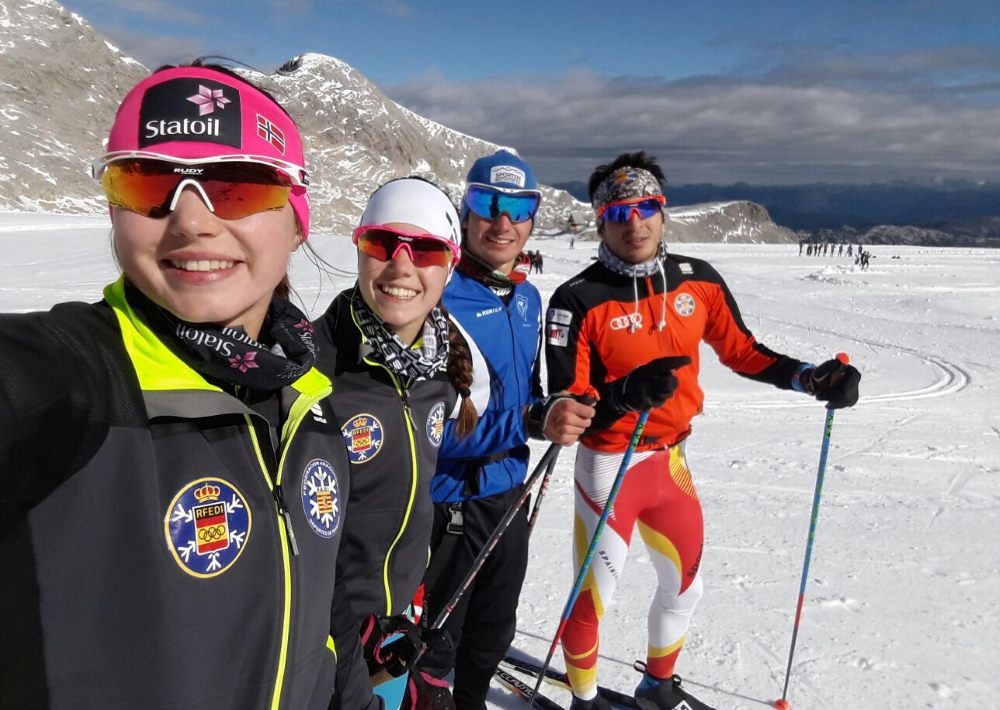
(721, 129)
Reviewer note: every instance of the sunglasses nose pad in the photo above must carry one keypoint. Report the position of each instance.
(402, 246)
(188, 182)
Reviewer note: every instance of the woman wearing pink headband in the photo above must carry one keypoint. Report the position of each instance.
(174, 485)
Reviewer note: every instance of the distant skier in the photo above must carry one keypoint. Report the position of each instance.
(631, 326)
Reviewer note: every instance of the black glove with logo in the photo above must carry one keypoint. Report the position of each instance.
(647, 386)
(834, 382)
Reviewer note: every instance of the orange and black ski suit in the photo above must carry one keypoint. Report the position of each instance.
(600, 326)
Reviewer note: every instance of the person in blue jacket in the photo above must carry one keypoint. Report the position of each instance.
(480, 475)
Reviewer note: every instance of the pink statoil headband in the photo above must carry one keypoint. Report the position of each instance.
(191, 113)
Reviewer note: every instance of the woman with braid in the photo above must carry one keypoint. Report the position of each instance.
(396, 366)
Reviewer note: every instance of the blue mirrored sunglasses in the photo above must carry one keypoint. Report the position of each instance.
(489, 203)
(622, 211)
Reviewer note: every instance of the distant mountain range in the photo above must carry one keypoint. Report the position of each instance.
(61, 82)
(952, 212)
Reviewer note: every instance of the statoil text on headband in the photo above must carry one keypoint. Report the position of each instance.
(491, 202)
(623, 210)
(199, 114)
(383, 243)
(231, 189)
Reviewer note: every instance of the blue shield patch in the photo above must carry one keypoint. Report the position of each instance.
(321, 498)
(435, 424)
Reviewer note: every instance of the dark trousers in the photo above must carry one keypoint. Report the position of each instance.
(483, 623)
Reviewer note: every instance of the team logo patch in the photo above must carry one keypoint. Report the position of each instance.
(363, 437)
(321, 497)
(435, 424)
(508, 174)
(684, 304)
(558, 335)
(522, 306)
(558, 315)
(207, 526)
(190, 110)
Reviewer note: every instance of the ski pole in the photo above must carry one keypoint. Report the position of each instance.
(602, 521)
(782, 703)
(542, 490)
(548, 459)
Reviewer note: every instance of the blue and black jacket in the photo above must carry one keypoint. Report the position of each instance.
(505, 342)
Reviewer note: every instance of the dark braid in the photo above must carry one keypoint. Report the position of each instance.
(459, 370)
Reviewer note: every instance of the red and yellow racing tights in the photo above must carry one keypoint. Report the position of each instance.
(658, 493)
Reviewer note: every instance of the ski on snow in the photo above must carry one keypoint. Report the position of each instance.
(554, 677)
(523, 690)
(685, 701)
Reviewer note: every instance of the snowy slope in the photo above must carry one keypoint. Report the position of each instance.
(904, 592)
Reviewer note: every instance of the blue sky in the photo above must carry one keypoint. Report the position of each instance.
(763, 92)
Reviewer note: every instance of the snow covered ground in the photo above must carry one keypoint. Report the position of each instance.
(903, 598)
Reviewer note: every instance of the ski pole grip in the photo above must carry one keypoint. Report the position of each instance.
(843, 358)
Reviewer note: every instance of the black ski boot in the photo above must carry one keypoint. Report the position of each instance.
(595, 703)
(666, 695)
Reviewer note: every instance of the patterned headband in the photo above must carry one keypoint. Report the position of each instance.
(623, 184)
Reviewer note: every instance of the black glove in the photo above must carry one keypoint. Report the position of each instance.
(425, 692)
(647, 386)
(393, 656)
(538, 413)
(833, 382)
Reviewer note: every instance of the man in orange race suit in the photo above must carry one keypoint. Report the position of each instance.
(630, 326)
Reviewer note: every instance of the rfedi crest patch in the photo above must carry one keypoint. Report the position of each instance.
(684, 304)
(207, 526)
(321, 497)
(363, 437)
(435, 424)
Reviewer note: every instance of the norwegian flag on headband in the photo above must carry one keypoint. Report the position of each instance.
(271, 133)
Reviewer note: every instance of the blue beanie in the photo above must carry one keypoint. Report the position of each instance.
(503, 169)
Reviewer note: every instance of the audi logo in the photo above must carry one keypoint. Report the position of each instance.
(623, 322)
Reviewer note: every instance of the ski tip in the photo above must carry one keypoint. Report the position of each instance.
(781, 704)
(844, 359)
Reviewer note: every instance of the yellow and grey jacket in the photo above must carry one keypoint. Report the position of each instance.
(160, 545)
(392, 429)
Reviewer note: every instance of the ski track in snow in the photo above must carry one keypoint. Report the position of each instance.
(902, 606)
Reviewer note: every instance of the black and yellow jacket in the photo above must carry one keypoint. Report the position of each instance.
(160, 547)
(392, 429)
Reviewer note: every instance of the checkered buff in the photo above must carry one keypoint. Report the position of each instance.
(417, 364)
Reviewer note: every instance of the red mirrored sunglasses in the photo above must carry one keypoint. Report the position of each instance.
(424, 249)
